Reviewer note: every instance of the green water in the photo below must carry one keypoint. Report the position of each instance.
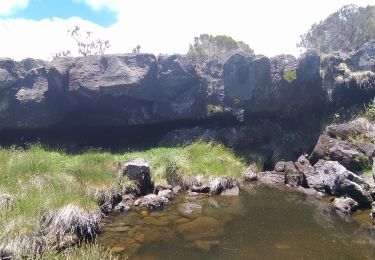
(262, 223)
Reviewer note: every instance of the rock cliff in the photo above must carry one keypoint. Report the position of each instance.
(141, 89)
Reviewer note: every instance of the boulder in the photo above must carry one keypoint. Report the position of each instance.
(125, 204)
(332, 178)
(138, 170)
(271, 178)
(346, 185)
(324, 175)
(346, 205)
(292, 175)
(250, 176)
(346, 153)
(220, 184)
(176, 189)
(152, 201)
(161, 187)
(358, 128)
(166, 194)
(280, 166)
(303, 165)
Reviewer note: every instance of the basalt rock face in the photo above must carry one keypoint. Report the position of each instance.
(141, 89)
(349, 78)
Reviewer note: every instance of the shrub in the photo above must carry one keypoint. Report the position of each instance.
(290, 76)
(370, 110)
(212, 109)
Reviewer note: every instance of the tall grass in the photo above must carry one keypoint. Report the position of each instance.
(48, 193)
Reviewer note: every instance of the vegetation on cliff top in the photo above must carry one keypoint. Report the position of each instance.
(48, 197)
(347, 29)
(207, 47)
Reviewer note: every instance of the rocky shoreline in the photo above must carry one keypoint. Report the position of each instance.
(321, 174)
(351, 187)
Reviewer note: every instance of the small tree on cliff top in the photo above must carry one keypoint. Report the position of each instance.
(86, 44)
(208, 47)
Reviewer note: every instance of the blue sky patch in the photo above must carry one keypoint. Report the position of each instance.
(41, 9)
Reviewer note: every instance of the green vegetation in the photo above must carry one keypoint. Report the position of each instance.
(54, 195)
(207, 159)
(208, 47)
(212, 109)
(290, 75)
(237, 101)
(347, 29)
(369, 112)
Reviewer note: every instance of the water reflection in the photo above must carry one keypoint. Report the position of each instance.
(262, 223)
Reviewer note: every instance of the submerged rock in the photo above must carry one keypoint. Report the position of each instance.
(205, 245)
(310, 192)
(190, 210)
(231, 192)
(200, 228)
(346, 205)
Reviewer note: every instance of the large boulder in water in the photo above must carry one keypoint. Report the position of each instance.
(332, 178)
(346, 205)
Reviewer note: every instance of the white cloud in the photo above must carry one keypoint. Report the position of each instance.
(99, 4)
(8, 7)
(23, 38)
(270, 27)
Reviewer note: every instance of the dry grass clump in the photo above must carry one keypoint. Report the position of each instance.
(363, 79)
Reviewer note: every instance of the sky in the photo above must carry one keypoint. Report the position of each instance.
(39, 28)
